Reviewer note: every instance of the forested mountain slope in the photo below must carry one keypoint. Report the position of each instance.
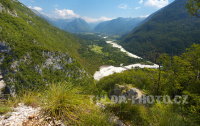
(170, 30)
(118, 26)
(77, 25)
(33, 52)
(40, 63)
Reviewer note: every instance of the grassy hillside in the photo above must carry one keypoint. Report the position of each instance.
(170, 30)
(28, 28)
(33, 52)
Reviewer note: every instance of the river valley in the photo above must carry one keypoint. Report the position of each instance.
(108, 70)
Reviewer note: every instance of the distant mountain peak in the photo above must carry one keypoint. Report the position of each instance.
(78, 25)
(73, 25)
(119, 25)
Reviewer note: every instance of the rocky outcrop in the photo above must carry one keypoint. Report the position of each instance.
(24, 115)
(128, 91)
(56, 61)
(38, 69)
(1, 8)
(51, 61)
(4, 49)
(2, 84)
(18, 116)
(12, 13)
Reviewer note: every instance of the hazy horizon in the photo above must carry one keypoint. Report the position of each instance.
(94, 11)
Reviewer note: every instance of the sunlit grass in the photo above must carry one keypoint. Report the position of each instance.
(64, 102)
(61, 101)
(97, 49)
(4, 109)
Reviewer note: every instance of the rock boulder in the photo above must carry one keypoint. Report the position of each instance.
(128, 91)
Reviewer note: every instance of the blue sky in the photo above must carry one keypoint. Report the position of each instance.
(96, 10)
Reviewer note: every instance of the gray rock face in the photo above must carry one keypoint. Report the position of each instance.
(19, 115)
(118, 89)
(37, 68)
(1, 8)
(58, 67)
(69, 61)
(15, 66)
(56, 61)
(128, 91)
(2, 84)
(134, 92)
(48, 62)
(12, 91)
(51, 60)
(4, 49)
(12, 13)
(2, 58)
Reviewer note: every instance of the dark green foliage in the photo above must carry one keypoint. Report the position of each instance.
(136, 115)
(193, 7)
(142, 78)
(7, 4)
(179, 76)
(170, 30)
(29, 30)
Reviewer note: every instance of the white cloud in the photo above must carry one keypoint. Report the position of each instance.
(156, 3)
(94, 20)
(36, 8)
(140, 2)
(144, 16)
(123, 6)
(137, 8)
(69, 14)
(65, 14)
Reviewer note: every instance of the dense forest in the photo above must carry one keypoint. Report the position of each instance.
(169, 30)
(179, 75)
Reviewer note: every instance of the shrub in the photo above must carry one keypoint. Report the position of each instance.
(61, 101)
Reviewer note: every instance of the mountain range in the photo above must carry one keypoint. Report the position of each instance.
(170, 30)
(72, 25)
(77, 25)
(118, 26)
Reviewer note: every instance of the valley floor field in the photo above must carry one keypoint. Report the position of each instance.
(108, 70)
